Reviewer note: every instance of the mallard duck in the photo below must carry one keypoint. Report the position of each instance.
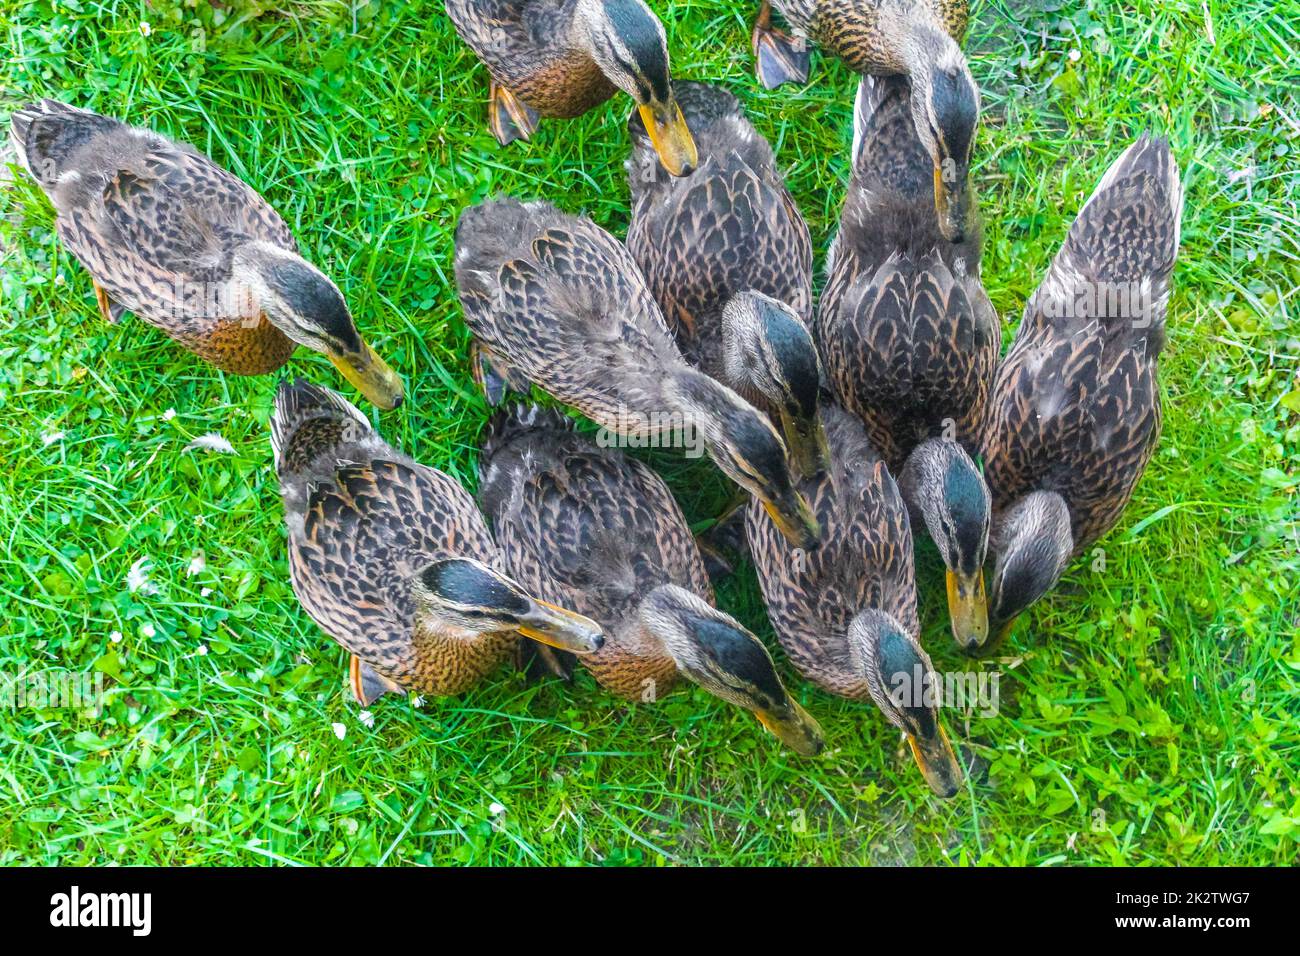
(593, 529)
(555, 300)
(846, 613)
(728, 258)
(910, 340)
(168, 234)
(1074, 413)
(563, 57)
(917, 39)
(392, 558)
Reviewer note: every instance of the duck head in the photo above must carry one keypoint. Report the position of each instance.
(945, 107)
(940, 481)
(901, 681)
(713, 650)
(747, 448)
(626, 41)
(766, 346)
(1033, 543)
(465, 598)
(304, 304)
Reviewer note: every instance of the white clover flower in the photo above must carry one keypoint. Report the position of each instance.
(340, 731)
(366, 718)
(137, 579)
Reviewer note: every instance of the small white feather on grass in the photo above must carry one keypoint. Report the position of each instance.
(212, 441)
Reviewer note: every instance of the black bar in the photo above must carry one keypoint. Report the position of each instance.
(388, 906)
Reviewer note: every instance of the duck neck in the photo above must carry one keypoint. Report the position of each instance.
(634, 663)
(742, 351)
(912, 43)
(251, 267)
(623, 38)
(451, 660)
(696, 398)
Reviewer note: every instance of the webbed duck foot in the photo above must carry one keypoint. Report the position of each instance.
(725, 542)
(493, 377)
(716, 564)
(538, 661)
(510, 117)
(110, 310)
(780, 57)
(367, 686)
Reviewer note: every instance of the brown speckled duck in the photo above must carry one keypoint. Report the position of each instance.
(917, 39)
(392, 558)
(1074, 414)
(727, 256)
(910, 341)
(555, 300)
(846, 612)
(598, 531)
(562, 57)
(169, 235)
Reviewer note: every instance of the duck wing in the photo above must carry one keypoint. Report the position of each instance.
(1075, 407)
(146, 216)
(592, 525)
(563, 303)
(362, 536)
(864, 560)
(729, 227)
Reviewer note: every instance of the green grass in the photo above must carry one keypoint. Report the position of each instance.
(1149, 708)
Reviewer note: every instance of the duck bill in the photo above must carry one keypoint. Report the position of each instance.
(371, 376)
(671, 137)
(950, 203)
(968, 608)
(938, 762)
(794, 518)
(562, 628)
(807, 443)
(794, 727)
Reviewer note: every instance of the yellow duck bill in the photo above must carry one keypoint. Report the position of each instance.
(671, 138)
(371, 376)
(559, 627)
(950, 206)
(798, 524)
(938, 762)
(794, 727)
(968, 609)
(809, 450)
